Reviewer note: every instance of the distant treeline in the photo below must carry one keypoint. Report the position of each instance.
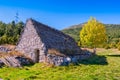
(9, 33)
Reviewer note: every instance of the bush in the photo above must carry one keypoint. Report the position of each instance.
(107, 47)
(118, 43)
(113, 45)
(119, 47)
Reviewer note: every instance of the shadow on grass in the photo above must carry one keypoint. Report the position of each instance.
(29, 65)
(95, 60)
(113, 55)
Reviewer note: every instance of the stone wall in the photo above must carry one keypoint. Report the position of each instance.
(65, 60)
(30, 41)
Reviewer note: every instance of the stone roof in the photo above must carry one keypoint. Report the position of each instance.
(39, 26)
(52, 38)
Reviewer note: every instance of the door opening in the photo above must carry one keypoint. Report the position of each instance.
(36, 58)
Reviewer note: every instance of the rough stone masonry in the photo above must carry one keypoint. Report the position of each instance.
(37, 39)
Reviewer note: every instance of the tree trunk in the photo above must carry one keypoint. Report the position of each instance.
(94, 50)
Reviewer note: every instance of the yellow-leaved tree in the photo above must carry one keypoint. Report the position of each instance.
(93, 33)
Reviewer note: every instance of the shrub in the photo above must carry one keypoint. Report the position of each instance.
(119, 47)
(113, 45)
(107, 47)
(118, 43)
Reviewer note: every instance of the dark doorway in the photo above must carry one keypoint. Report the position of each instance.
(36, 58)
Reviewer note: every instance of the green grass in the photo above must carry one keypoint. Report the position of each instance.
(105, 66)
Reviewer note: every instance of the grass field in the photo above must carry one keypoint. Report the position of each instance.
(104, 66)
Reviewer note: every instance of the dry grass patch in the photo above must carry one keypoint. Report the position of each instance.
(55, 52)
(8, 46)
(12, 53)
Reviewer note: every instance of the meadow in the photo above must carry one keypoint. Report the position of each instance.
(103, 66)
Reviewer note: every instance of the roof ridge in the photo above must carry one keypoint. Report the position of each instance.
(49, 27)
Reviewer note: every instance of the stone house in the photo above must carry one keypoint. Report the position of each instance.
(45, 44)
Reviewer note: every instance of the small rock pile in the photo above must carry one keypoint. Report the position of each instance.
(12, 58)
(4, 49)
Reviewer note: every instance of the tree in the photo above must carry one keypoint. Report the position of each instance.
(93, 33)
(9, 33)
(2, 28)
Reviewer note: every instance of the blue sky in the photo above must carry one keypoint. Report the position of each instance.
(61, 13)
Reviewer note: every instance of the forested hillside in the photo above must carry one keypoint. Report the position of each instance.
(113, 32)
(73, 31)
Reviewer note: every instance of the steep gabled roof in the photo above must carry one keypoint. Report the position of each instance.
(50, 34)
(52, 38)
(39, 26)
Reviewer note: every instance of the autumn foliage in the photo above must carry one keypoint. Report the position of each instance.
(93, 33)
